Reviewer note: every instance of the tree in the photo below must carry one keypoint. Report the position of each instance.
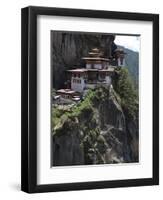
(123, 85)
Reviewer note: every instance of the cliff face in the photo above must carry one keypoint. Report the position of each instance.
(103, 128)
(67, 49)
(95, 132)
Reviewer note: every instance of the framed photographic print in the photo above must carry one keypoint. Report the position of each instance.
(90, 99)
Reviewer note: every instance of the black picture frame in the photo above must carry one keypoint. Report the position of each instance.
(29, 99)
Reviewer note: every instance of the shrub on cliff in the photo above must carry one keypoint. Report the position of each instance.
(123, 85)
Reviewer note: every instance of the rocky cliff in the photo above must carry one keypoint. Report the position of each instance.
(102, 128)
(95, 132)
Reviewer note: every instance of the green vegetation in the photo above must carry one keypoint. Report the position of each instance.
(123, 85)
(85, 106)
(82, 110)
(56, 116)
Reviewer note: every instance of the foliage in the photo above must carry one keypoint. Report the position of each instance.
(84, 106)
(56, 115)
(82, 110)
(123, 85)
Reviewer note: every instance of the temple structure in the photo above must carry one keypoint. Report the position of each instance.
(119, 55)
(68, 94)
(98, 71)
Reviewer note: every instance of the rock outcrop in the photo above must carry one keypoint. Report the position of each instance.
(95, 133)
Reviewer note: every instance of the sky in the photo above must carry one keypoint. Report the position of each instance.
(130, 42)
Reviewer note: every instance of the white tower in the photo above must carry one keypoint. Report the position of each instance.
(120, 57)
(78, 79)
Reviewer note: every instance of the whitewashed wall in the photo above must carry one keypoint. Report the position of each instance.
(78, 87)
